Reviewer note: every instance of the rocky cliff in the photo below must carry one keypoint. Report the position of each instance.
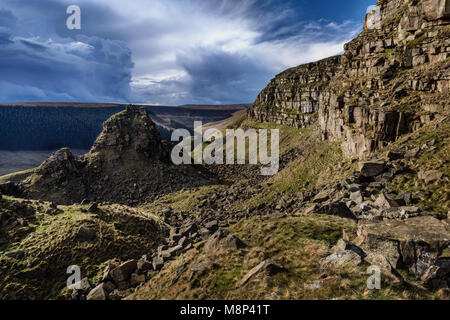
(292, 98)
(128, 164)
(392, 79)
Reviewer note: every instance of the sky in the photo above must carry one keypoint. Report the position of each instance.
(166, 52)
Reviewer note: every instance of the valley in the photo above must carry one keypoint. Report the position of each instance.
(358, 210)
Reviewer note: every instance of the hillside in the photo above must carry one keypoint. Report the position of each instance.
(363, 185)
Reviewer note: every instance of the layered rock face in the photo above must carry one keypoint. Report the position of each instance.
(393, 78)
(292, 98)
(128, 164)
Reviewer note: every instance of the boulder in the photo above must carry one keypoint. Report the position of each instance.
(415, 243)
(377, 259)
(337, 208)
(199, 267)
(357, 197)
(124, 271)
(437, 276)
(233, 242)
(85, 234)
(271, 266)
(395, 155)
(371, 168)
(390, 200)
(143, 265)
(435, 9)
(321, 197)
(171, 252)
(183, 241)
(318, 284)
(222, 239)
(412, 153)
(431, 176)
(401, 212)
(108, 286)
(213, 242)
(98, 293)
(212, 225)
(345, 245)
(107, 272)
(340, 259)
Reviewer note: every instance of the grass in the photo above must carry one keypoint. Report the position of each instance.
(16, 176)
(185, 200)
(298, 242)
(121, 233)
(316, 167)
(436, 198)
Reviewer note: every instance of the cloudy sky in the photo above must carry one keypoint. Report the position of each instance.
(168, 52)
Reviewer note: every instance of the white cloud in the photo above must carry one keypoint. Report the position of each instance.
(180, 28)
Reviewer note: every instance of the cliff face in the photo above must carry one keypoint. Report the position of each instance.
(393, 78)
(292, 98)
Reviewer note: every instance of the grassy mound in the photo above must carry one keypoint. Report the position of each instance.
(36, 255)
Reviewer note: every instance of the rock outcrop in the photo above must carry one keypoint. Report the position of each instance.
(292, 98)
(392, 79)
(128, 164)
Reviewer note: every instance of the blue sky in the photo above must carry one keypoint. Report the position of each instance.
(167, 52)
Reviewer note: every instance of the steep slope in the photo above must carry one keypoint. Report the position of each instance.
(392, 79)
(312, 230)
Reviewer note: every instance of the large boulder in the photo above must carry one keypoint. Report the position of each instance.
(222, 239)
(416, 243)
(335, 208)
(341, 259)
(98, 293)
(371, 168)
(437, 276)
(390, 200)
(124, 271)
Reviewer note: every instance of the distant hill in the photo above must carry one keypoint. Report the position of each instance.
(49, 126)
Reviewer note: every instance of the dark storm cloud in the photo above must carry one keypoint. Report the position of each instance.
(216, 74)
(43, 66)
